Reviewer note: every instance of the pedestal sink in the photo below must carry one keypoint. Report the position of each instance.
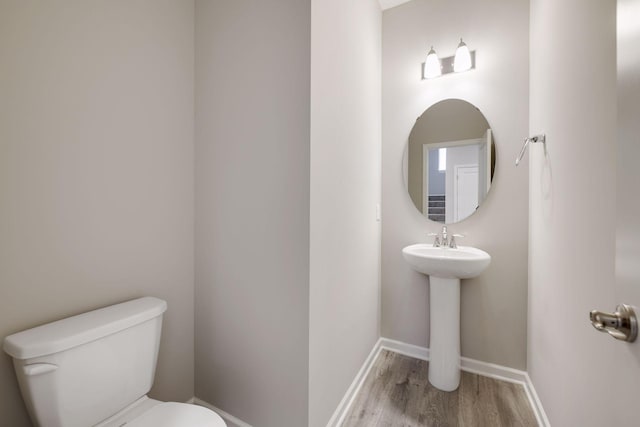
(445, 267)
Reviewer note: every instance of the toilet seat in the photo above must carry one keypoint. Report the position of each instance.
(173, 414)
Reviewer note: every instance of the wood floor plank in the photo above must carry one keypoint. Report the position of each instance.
(397, 393)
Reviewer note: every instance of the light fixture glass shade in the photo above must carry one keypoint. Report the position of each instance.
(462, 60)
(432, 65)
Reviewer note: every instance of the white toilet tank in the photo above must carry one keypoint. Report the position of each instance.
(83, 369)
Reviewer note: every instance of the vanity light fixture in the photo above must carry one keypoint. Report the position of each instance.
(432, 67)
(463, 60)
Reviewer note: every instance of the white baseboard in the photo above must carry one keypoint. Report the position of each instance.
(228, 418)
(490, 370)
(403, 348)
(536, 404)
(343, 407)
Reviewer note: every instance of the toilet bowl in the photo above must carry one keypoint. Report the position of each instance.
(96, 368)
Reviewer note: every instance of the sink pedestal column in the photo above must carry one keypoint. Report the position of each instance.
(444, 346)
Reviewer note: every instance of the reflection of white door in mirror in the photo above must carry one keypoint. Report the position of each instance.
(465, 191)
(441, 201)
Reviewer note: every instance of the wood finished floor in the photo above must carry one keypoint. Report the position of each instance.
(397, 393)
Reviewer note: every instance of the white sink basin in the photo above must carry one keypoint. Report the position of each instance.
(464, 262)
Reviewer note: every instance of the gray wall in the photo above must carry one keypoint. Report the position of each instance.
(252, 211)
(499, 87)
(345, 188)
(96, 171)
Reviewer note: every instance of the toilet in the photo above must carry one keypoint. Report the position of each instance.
(96, 368)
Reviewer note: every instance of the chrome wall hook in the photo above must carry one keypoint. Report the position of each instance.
(532, 140)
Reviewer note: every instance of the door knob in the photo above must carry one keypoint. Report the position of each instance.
(622, 325)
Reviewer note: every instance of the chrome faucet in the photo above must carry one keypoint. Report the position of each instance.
(444, 239)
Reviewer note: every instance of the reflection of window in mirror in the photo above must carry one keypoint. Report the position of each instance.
(442, 159)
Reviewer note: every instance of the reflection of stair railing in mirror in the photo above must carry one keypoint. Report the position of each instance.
(532, 140)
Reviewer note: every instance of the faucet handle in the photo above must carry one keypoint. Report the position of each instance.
(436, 239)
(452, 241)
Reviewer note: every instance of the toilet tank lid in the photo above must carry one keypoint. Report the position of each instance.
(86, 327)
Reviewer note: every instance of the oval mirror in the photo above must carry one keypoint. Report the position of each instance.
(450, 161)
